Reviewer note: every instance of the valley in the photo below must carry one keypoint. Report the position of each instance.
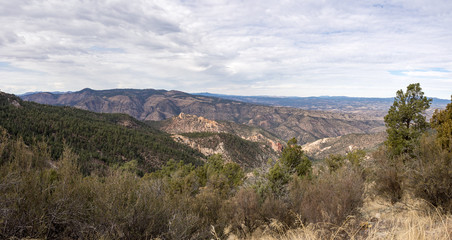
(372, 108)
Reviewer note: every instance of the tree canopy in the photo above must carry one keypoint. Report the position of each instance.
(442, 122)
(406, 120)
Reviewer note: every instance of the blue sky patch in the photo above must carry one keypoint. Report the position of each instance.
(406, 72)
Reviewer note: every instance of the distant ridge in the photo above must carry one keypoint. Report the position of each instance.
(31, 93)
(374, 108)
(151, 104)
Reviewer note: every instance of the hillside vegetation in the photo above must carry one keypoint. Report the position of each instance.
(99, 140)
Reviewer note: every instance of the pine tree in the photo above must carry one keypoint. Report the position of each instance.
(405, 121)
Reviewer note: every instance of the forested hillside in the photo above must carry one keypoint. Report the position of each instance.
(99, 139)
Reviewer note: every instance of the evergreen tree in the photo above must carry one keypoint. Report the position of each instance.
(294, 159)
(405, 121)
(442, 122)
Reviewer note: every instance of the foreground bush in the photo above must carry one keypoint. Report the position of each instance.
(431, 175)
(41, 198)
(330, 197)
(388, 176)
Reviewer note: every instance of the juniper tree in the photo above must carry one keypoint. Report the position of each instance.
(405, 121)
(442, 122)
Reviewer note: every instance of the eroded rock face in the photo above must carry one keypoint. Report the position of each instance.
(254, 154)
(220, 137)
(208, 151)
(322, 148)
(185, 123)
(149, 104)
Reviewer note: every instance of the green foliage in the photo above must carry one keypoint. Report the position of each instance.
(188, 179)
(405, 121)
(355, 157)
(442, 122)
(334, 162)
(278, 177)
(199, 134)
(294, 159)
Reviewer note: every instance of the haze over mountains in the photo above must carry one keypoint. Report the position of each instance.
(373, 108)
(150, 104)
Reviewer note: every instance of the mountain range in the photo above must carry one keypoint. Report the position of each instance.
(372, 108)
(155, 105)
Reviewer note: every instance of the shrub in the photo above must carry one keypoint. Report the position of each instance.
(243, 212)
(334, 162)
(330, 197)
(274, 208)
(431, 175)
(388, 176)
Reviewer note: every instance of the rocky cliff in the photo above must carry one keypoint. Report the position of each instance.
(249, 146)
(186, 123)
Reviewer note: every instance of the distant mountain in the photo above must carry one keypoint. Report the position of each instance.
(31, 93)
(249, 146)
(150, 104)
(100, 140)
(373, 108)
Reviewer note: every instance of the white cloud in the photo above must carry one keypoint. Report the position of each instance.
(287, 47)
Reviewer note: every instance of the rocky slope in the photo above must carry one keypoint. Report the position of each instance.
(247, 153)
(340, 145)
(246, 145)
(186, 123)
(151, 104)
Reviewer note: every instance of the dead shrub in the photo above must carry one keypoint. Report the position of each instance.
(274, 208)
(208, 204)
(330, 197)
(243, 212)
(388, 176)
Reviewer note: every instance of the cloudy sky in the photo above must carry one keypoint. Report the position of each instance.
(281, 48)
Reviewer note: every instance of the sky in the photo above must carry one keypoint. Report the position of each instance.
(360, 48)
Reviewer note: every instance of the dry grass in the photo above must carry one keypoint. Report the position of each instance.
(408, 220)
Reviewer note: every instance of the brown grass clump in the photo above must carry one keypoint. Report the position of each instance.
(411, 219)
